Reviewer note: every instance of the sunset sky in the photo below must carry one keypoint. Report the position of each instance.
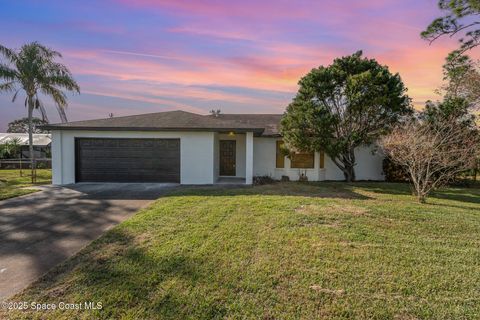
(139, 56)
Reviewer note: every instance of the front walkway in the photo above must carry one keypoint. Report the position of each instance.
(40, 230)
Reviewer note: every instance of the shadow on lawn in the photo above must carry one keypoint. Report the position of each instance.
(122, 274)
(41, 230)
(463, 194)
(302, 189)
(469, 195)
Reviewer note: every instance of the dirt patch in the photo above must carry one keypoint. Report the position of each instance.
(331, 209)
(328, 291)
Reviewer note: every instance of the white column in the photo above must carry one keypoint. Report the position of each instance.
(249, 158)
(57, 153)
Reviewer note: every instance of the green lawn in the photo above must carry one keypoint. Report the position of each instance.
(283, 251)
(11, 183)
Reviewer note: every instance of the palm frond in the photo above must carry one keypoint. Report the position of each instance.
(9, 54)
(63, 81)
(7, 73)
(59, 98)
(40, 50)
(40, 107)
(15, 95)
(61, 113)
(8, 86)
(34, 69)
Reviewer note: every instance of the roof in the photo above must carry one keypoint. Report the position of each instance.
(39, 139)
(266, 124)
(270, 122)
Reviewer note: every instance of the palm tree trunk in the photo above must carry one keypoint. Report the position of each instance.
(30, 138)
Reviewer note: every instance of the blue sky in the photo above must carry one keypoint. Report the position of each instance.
(143, 56)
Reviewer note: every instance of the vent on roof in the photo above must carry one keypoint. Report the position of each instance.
(215, 113)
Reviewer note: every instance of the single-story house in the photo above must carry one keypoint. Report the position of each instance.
(41, 143)
(188, 148)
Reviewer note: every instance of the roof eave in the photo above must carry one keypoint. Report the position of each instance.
(92, 128)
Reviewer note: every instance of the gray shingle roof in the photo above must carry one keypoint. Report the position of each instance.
(266, 124)
(270, 122)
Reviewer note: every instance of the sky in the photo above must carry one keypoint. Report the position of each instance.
(140, 56)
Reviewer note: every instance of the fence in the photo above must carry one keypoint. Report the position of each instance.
(43, 163)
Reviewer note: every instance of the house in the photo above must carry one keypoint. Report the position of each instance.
(41, 143)
(188, 148)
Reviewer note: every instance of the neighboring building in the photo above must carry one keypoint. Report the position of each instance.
(41, 144)
(188, 148)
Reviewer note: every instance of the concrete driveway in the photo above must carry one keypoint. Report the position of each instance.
(40, 230)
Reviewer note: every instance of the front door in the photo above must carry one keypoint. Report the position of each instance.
(227, 157)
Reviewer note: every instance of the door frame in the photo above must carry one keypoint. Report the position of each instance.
(234, 142)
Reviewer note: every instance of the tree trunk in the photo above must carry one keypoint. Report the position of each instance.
(421, 198)
(349, 173)
(30, 137)
(349, 164)
(346, 163)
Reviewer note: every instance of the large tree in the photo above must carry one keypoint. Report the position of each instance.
(345, 105)
(34, 70)
(21, 125)
(461, 18)
(461, 77)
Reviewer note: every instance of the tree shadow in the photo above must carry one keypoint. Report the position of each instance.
(389, 188)
(119, 272)
(303, 189)
(122, 191)
(460, 195)
(40, 230)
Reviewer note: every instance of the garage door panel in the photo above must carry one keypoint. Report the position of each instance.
(127, 160)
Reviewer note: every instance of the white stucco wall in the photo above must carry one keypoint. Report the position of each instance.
(196, 153)
(216, 157)
(369, 166)
(199, 157)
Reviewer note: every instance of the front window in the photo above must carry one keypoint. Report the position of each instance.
(302, 160)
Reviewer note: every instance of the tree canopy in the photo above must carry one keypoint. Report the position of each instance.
(340, 107)
(461, 18)
(21, 125)
(462, 79)
(35, 71)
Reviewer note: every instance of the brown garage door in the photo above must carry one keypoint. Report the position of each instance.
(127, 160)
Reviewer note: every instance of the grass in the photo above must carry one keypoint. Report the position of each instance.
(283, 251)
(12, 184)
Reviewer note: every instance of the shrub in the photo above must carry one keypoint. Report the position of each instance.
(261, 180)
(394, 172)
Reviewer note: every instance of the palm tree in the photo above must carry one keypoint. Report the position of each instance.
(33, 70)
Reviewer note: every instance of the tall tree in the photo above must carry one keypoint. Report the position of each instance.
(461, 77)
(455, 108)
(338, 108)
(21, 125)
(34, 70)
(461, 18)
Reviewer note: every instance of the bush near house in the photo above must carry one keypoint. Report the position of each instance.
(394, 172)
